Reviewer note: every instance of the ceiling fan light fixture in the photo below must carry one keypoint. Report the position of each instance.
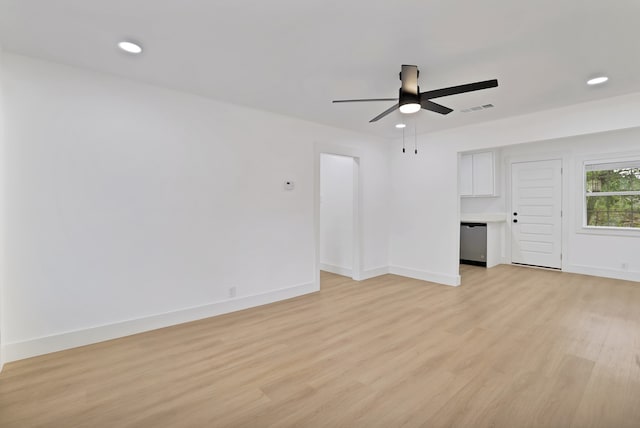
(410, 108)
(408, 102)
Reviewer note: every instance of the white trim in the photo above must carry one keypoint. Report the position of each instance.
(619, 162)
(508, 161)
(602, 159)
(71, 339)
(604, 272)
(339, 270)
(320, 148)
(372, 273)
(366, 274)
(624, 232)
(437, 277)
(357, 243)
(621, 193)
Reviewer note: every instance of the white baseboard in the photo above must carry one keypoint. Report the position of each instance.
(440, 278)
(366, 274)
(338, 270)
(603, 272)
(72, 339)
(372, 273)
(2, 357)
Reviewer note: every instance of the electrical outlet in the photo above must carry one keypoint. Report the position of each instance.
(232, 292)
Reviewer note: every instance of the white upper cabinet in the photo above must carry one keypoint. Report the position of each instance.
(477, 174)
(483, 174)
(466, 175)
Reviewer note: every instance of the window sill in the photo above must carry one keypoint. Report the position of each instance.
(610, 231)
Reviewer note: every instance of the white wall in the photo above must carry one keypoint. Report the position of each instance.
(422, 215)
(600, 253)
(133, 206)
(336, 213)
(2, 222)
(424, 237)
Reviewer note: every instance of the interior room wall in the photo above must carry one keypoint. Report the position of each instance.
(2, 203)
(584, 252)
(424, 235)
(422, 214)
(134, 207)
(336, 213)
(602, 253)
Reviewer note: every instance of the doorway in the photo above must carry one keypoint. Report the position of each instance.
(338, 213)
(536, 213)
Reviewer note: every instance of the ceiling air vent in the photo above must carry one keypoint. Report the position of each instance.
(477, 108)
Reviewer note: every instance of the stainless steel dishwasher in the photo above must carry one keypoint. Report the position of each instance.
(473, 243)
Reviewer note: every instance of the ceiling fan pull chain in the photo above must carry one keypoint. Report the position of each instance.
(415, 136)
(403, 151)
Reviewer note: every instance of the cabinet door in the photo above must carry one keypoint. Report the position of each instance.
(483, 174)
(466, 175)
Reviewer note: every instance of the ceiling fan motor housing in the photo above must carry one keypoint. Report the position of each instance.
(405, 97)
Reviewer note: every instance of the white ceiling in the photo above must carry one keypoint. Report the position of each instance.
(294, 56)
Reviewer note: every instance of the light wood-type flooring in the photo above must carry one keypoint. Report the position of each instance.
(511, 347)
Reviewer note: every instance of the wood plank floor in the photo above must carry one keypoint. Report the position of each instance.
(511, 347)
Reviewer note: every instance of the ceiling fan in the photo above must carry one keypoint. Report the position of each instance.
(411, 100)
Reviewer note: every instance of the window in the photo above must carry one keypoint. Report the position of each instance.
(612, 194)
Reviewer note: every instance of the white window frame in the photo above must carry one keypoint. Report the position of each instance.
(605, 230)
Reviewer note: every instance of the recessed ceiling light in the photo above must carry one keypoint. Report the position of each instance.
(400, 125)
(597, 80)
(130, 47)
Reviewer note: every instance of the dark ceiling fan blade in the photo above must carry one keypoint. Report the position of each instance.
(409, 77)
(364, 101)
(431, 106)
(384, 113)
(460, 89)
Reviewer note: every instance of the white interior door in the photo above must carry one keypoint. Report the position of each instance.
(536, 213)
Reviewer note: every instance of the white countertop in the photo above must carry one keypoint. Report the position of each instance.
(483, 217)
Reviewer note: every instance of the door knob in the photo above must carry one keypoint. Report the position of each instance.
(515, 213)
(515, 220)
